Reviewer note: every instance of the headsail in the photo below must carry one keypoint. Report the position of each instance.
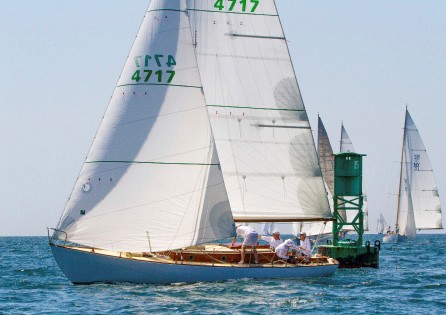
(419, 201)
(259, 121)
(152, 179)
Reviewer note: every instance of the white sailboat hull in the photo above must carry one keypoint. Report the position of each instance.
(82, 267)
(394, 238)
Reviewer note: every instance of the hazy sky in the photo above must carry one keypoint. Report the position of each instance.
(356, 61)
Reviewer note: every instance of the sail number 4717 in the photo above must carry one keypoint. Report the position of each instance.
(235, 4)
(155, 61)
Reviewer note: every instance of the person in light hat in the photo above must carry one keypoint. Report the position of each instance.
(305, 245)
(250, 237)
(273, 240)
(283, 250)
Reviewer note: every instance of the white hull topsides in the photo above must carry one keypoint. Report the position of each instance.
(83, 266)
(394, 238)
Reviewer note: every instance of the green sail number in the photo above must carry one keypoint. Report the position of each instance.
(158, 61)
(232, 5)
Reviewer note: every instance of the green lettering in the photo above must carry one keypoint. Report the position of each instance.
(136, 76)
(219, 5)
(172, 74)
(147, 60)
(157, 59)
(149, 73)
(256, 3)
(159, 73)
(137, 61)
(243, 3)
(171, 61)
(232, 4)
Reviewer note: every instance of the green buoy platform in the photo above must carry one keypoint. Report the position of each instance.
(347, 211)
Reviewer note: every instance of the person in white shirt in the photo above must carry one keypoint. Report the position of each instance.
(283, 249)
(273, 240)
(305, 245)
(250, 237)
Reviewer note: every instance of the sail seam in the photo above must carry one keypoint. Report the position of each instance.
(178, 85)
(164, 163)
(226, 12)
(259, 108)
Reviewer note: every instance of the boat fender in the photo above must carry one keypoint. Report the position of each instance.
(367, 244)
(378, 244)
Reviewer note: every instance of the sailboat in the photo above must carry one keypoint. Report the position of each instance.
(206, 127)
(380, 224)
(418, 199)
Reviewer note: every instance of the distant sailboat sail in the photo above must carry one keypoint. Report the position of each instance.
(326, 161)
(381, 224)
(418, 198)
(346, 143)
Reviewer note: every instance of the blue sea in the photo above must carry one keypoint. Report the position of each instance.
(411, 280)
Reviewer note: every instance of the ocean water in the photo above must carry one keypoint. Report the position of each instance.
(411, 280)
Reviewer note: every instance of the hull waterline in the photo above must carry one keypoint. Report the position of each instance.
(82, 267)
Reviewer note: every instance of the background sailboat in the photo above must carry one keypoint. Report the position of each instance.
(191, 142)
(381, 224)
(418, 199)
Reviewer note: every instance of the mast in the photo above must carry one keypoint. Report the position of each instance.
(401, 168)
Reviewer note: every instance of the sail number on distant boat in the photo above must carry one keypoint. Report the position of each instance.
(243, 3)
(155, 61)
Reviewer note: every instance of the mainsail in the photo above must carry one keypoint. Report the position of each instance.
(418, 198)
(152, 179)
(258, 118)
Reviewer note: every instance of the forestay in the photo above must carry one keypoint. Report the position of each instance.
(419, 202)
(260, 126)
(151, 180)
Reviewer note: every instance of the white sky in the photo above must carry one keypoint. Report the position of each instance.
(356, 61)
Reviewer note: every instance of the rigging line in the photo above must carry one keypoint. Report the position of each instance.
(162, 163)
